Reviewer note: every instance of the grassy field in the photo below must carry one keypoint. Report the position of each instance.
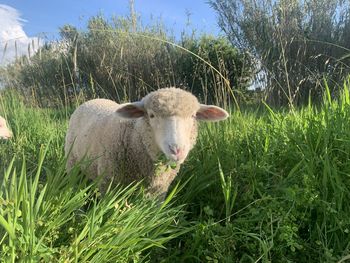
(264, 186)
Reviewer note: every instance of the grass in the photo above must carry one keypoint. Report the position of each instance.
(264, 186)
(47, 215)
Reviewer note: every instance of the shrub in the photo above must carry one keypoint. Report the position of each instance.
(298, 43)
(115, 60)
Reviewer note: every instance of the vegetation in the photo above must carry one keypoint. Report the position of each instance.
(114, 59)
(47, 215)
(297, 43)
(267, 185)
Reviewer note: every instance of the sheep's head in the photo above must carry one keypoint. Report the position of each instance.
(5, 133)
(172, 115)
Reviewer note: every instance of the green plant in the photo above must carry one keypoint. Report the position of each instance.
(50, 216)
(278, 194)
(295, 43)
(229, 192)
(108, 60)
(61, 220)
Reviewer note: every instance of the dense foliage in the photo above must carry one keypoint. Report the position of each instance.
(47, 215)
(115, 60)
(297, 43)
(264, 185)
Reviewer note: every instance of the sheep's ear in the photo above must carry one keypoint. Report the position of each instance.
(211, 113)
(131, 110)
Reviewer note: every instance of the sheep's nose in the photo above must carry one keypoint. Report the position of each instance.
(174, 149)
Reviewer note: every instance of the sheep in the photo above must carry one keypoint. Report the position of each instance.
(126, 142)
(5, 133)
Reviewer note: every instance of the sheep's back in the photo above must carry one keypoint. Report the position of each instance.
(86, 126)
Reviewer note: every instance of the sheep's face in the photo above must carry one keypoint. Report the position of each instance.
(172, 115)
(174, 135)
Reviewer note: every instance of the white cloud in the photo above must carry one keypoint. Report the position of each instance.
(13, 40)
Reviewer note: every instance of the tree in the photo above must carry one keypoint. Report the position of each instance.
(299, 43)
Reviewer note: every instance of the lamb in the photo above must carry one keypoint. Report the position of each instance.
(125, 142)
(5, 133)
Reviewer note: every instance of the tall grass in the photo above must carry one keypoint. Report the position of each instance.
(47, 215)
(290, 185)
(60, 220)
(265, 185)
(279, 194)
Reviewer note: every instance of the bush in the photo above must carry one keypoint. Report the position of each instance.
(298, 43)
(113, 59)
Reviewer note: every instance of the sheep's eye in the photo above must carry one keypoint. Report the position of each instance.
(151, 115)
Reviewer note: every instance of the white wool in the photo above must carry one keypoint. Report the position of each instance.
(5, 133)
(124, 142)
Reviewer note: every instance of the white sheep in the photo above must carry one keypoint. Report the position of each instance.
(5, 133)
(125, 142)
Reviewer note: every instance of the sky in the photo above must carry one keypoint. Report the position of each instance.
(24, 22)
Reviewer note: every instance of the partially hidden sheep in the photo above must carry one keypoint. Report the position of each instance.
(125, 142)
(5, 133)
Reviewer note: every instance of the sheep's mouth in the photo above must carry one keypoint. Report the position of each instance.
(174, 159)
(169, 157)
(163, 159)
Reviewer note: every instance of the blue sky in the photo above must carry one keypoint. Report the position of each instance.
(47, 16)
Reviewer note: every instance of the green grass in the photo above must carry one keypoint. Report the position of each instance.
(47, 215)
(264, 186)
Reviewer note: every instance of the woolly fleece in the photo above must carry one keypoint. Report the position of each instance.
(124, 149)
(5, 133)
